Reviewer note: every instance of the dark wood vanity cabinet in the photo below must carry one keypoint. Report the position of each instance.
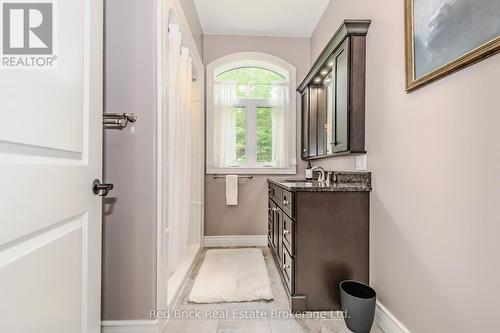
(333, 96)
(318, 238)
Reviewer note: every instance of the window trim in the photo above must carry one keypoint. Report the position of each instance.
(251, 59)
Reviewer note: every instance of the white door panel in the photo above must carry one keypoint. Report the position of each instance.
(47, 266)
(58, 92)
(50, 153)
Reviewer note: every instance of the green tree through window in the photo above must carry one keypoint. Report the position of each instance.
(264, 135)
(254, 91)
(241, 156)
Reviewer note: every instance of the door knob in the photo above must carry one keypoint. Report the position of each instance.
(100, 188)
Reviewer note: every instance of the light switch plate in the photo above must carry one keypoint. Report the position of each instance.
(361, 163)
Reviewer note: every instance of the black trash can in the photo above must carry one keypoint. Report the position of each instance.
(358, 302)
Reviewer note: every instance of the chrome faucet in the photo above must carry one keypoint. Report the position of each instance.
(321, 177)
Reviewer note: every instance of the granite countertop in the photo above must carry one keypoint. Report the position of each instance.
(346, 182)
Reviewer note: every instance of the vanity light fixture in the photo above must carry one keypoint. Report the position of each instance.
(330, 64)
(324, 72)
(317, 80)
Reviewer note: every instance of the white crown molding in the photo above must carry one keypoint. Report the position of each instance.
(226, 241)
(387, 322)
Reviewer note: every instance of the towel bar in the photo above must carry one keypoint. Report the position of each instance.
(118, 120)
(219, 176)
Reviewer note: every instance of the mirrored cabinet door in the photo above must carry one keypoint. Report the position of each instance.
(305, 123)
(333, 104)
(329, 86)
(340, 99)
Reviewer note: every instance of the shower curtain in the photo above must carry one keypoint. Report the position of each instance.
(179, 147)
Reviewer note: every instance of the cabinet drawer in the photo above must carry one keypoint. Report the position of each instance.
(287, 202)
(275, 193)
(287, 270)
(288, 235)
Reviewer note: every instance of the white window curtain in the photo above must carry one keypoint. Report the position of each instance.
(178, 146)
(224, 125)
(282, 120)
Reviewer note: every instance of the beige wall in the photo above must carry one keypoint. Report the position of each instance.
(129, 225)
(435, 158)
(249, 217)
(189, 10)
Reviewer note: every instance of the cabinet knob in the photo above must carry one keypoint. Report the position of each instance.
(285, 266)
(286, 202)
(286, 232)
(304, 151)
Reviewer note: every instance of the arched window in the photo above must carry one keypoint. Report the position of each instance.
(251, 115)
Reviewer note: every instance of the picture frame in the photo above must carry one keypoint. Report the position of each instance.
(421, 71)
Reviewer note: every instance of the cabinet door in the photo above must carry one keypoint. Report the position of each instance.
(305, 124)
(341, 104)
(322, 120)
(276, 231)
(279, 236)
(270, 210)
(313, 121)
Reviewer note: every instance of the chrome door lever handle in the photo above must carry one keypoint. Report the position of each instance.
(101, 189)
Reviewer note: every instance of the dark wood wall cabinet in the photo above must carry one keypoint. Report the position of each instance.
(318, 237)
(333, 96)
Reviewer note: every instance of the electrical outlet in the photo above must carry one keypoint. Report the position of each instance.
(361, 163)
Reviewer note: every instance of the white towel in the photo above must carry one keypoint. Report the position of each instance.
(232, 190)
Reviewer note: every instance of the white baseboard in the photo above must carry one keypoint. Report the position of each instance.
(130, 326)
(387, 322)
(225, 241)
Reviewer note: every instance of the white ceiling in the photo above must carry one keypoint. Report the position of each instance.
(296, 18)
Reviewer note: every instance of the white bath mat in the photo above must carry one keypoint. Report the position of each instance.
(232, 275)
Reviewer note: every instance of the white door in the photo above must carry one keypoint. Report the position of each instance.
(50, 153)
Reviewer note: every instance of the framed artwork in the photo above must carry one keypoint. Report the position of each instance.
(444, 36)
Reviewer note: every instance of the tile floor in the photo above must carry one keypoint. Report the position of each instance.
(250, 317)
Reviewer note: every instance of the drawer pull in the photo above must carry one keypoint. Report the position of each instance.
(285, 266)
(286, 232)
